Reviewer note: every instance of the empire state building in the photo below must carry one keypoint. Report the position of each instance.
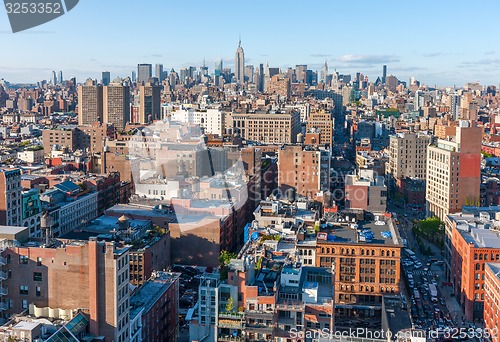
(239, 64)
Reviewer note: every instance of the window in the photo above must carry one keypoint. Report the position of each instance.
(25, 304)
(38, 291)
(23, 259)
(23, 289)
(39, 261)
(37, 276)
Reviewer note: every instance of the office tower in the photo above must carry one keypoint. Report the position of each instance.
(134, 76)
(300, 73)
(261, 77)
(324, 72)
(149, 102)
(204, 69)
(218, 68)
(60, 77)
(239, 65)
(159, 72)
(90, 107)
(54, 78)
(453, 171)
(384, 73)
(116, 104)
(322, 122)
(249, 73)
(106, 78)
(144, 72)
(10, 197)
(408, 156)
(184, 75)
(454, 103)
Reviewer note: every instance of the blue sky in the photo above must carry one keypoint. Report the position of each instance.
(438, 42)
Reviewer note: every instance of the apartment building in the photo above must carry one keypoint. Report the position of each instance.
(95, 274)
(454, 171)
(474, 243)
(492, 299)
(322, 122)
(407, 156)
(304, 170)
(271, 128)
(10, 197)
(366, 190)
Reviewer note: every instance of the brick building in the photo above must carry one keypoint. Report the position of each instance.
(157, 301)
(96, 278)
(492, 299)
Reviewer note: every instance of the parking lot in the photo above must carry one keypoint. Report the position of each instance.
(188, 295)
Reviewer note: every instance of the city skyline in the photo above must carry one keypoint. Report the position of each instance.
(350, 42)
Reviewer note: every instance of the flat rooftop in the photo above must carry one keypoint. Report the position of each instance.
(149, 293)
(11, 230)
(481, 238)
(345, 234)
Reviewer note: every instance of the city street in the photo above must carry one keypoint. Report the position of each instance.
(432, 270)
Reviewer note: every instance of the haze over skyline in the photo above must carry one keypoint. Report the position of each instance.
(436, 42)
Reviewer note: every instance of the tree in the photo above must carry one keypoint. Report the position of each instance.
(225, 258)
(230, 305)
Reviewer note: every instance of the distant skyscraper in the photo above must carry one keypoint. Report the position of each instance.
(239, 64)
(384, 73)
(324, 73)
(89, 103)
(54, 78)
(249, 73)
(159, 72)
(134, 76)
(300, 73)
(106, 78)
(60, 77)
(144, 72)
(261, 77)
(218, 68)
(149, 107)
(116, 104)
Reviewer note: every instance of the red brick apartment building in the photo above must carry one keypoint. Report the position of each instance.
(492, 300)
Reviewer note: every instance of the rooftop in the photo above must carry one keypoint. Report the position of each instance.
(382, 234)
(149, 293)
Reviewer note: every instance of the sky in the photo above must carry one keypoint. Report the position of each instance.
(443, 43)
